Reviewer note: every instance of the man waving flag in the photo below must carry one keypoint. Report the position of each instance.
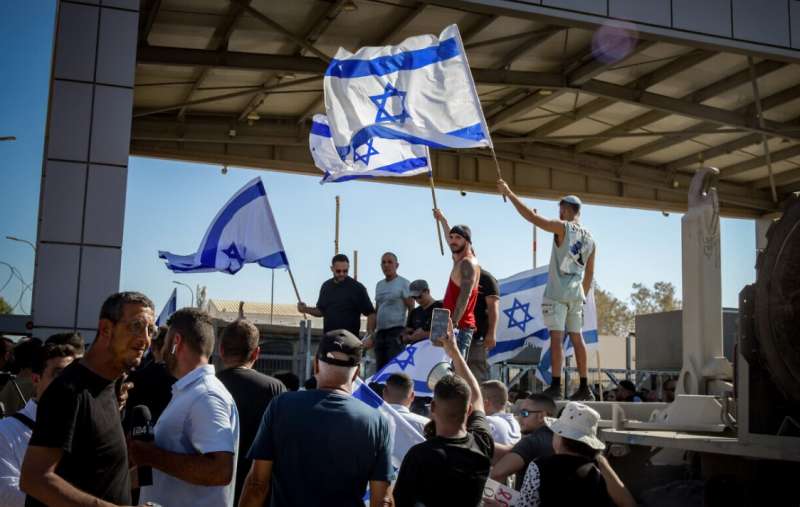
(420, 91)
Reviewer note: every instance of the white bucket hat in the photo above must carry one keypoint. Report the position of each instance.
(578, 422)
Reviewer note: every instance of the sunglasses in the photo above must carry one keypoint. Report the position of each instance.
(525, 413)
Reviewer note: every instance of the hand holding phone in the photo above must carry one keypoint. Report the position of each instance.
(439, 322)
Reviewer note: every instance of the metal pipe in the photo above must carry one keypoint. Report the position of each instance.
(760, 115)
(14, 238)
(188, 287)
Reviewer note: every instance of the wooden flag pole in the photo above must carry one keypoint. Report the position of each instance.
(336, 239)
(355, 265)
(296, 292)
(497, 166)
(438, 228)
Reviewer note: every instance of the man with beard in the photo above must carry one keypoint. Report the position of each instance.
(462, 286)
(342, 301)
(568, 282)
(77, 453)
(196, 439)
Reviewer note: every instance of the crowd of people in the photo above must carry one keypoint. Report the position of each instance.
(143, 417)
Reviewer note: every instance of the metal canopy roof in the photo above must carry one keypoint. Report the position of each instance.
(236, 83)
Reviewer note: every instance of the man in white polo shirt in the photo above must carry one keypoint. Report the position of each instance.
(197, 437)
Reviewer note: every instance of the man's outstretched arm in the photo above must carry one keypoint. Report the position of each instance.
(554, 226)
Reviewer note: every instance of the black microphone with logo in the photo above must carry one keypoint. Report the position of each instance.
(142, 429)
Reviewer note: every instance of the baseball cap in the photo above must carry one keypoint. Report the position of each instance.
(571, 199)
(417, 286)
(343, 342)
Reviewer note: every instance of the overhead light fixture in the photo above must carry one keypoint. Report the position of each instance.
(287, 75)
(349, 6)
(545, 92)
(253, 117)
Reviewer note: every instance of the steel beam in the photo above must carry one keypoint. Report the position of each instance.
(219, 42)
(775, 100)
(680, 64)
(781, 179)
(147, 21)
(574, 78)
(529, 44)
(756, 162)
(481, 25)
(697, 97)
(524, 79)
(313, 34)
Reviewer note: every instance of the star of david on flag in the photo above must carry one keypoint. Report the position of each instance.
(384, 104)
(372, 156)
(521, 323)
(420, 91)
(511, 312)
(416, 360)
(244, 231)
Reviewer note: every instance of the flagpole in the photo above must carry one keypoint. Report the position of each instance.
(534, 243)
(497, 166)
(336, 240)
(355, 265)
(435, 206)
(296, 292)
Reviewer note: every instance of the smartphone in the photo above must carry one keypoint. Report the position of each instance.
(439, 321)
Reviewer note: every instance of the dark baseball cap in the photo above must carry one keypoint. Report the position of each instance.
(417, 287)
(342, 342)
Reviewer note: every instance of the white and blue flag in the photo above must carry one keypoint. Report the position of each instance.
(244, 231)
(420, 91)
(416, 361)
(377, 157)
(404, 435)
(169, 308)
(520, 322)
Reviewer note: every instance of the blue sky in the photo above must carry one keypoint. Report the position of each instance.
(170, 204)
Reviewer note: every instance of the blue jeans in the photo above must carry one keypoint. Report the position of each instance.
(464, 340)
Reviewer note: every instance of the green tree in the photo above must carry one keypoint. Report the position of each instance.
(4, 307)
(660, 298)
(613, 315)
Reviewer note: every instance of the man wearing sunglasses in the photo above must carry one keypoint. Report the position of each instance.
(342, 301)
(537, 440)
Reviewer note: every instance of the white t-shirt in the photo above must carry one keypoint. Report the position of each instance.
(505, 428)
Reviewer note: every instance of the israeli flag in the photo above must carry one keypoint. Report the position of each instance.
(404, 435)
(169, 308)
(420, 91)
(377, 157)
(520, 322)
(243, 231)
(416, 361)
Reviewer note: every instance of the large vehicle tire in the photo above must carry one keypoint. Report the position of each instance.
(777, 311)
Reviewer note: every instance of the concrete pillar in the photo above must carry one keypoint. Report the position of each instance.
(702, 286)
(84, 173)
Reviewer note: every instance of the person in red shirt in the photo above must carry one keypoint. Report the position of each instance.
(462, 287)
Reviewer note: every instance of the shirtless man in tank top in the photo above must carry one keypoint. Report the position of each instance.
(462, 287)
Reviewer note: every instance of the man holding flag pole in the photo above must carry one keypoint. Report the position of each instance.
(569, 280)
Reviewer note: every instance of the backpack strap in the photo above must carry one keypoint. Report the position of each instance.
(24, 419)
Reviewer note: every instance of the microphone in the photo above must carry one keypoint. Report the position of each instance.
(142, 429)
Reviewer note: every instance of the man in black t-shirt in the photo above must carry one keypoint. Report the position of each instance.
(342, 301)
(452, 467)
(252, 391)
(536, 442)
(77, 453)
(487, 308)
(418, 324)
